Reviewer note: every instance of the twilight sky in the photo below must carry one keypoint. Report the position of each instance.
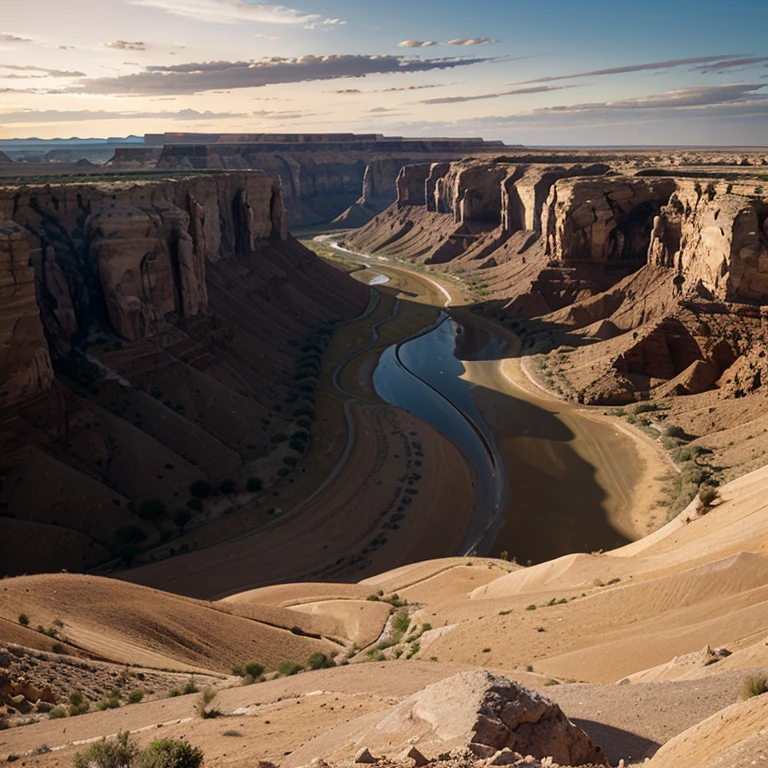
(536, 72)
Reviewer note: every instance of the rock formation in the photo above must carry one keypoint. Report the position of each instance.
(172, 314)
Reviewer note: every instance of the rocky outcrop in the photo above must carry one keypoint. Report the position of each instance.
(25, 365)
(473, 712)
(716, 236)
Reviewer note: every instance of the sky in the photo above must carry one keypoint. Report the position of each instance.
(533, 72)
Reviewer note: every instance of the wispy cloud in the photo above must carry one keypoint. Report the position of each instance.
(223, 75)
(459, 41)
(7, 37)
(41, 71)
(724, 66)
(482, 96)
(126, 45)
(357, 91)
(231, 11)
(630, 68)
(71, 116)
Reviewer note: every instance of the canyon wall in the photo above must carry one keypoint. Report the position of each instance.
(149, 338)
(668, 267)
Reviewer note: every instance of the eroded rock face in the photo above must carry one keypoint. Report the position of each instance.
(138, 258)
(605, 220)
(25, 364)
(716, 235)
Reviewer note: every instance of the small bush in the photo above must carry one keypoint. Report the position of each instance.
(23, 619)
(201, 489)
(202, 706)
(254, 485)
(135, 696)
(674, 431)
(708, 494)
(181, 518)
(754, 685)
(319, 660)
(78, 704)
(190, 687)
(401, 621)
(57, 713)
(227, 487)
(109, 754)
(531, 607)
(288, 668)
(111, 703)
(254, 669)
(171, 753)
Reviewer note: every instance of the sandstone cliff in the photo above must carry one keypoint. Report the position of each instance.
(661, 265)
(174, 312)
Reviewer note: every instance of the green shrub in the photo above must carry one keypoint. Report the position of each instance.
(152, 509)
(254, 485)
(78, 704)
(111, 703)
(754, 685)
(318, 660)
(708, 494)
(57, 713)
(23, 619)
(135, 696)
(288, 668)
(202, 706)
(171, 753)
(674, 431)
(227, 487)
(531, 607)
(109, 754)
(181, 518)
(254, 669)
(201, 489)
(401, 621)
(190, 687)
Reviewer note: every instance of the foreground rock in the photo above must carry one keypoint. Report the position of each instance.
(473, 713)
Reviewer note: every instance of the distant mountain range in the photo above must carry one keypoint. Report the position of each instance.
(74, 141)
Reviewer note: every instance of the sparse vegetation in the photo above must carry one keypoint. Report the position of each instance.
(121, 753)
(113, 702)
(202, 706)
(23, 619)
(319, 660)
(754, 685)
(171, 753)
(288, 668)
(78, 704)
(135, 696)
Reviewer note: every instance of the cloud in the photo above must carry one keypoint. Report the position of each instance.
(723, 66)
(125, 45)
(41, 71)
(223, 75)
(460, 41)
(355, 91)
(71, 116)
(624, 70)
(6, 37)
(231, 11)
(516, 92)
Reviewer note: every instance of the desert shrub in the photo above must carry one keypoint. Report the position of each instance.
(57, 713)
(111, 703)
(135, 696)
(288, 668)
(78, 704)
(708, 494)
(181, 518)
(201, 489)
(674, 431)
(646, 408)
(190, 687)
(531, 607)
(401, 621)
(254, 485)
(227, 486)
(109, 754)
(202, 706)
(152, 509)
(318, 660)
(171, 753)
(754, 685)
(254, 669)
(23, 619)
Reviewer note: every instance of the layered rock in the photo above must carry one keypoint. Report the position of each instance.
(25, 364)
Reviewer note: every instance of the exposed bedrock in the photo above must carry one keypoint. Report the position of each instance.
(25, 365)
(716, 235)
